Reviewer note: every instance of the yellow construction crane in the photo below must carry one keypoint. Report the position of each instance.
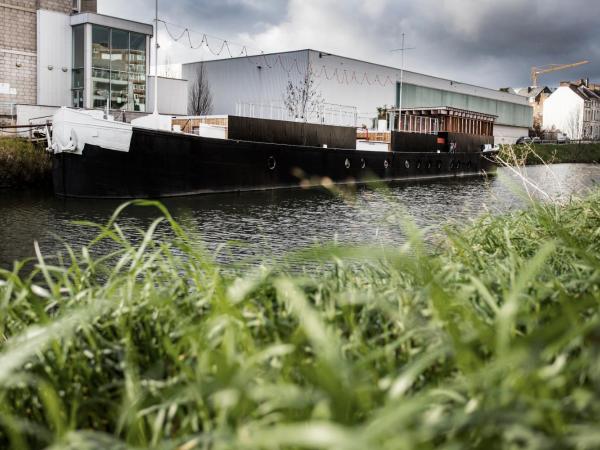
(537, 71)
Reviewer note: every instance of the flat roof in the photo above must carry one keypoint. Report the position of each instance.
(112, 22)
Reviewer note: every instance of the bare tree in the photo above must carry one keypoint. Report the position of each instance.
(573, 124)
(302, 99)
(201, 103)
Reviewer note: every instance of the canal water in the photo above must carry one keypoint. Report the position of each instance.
(261, 226)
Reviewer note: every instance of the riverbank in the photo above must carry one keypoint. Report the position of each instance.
(552, 153)
(22, 164)
(488, 341)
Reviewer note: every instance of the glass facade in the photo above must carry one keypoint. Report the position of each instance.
(118, 69)
(414, 96)
(78, 73)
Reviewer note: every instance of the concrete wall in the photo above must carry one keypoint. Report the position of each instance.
(563, 110)
(34, 114)
(172, 96)
(504, 135)
(54, 58)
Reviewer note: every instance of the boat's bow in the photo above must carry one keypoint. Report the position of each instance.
(73, 129)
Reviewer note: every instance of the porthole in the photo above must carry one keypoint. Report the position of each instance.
(469, 165)
(418, 164)
(347, 163)
(439, 165)
(457, 165)
(386, 164)
(363, 163)
(429, 164)
(407, 164)
(271, 163)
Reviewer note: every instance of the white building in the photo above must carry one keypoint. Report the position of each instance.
(257, 85)
(62, 53)
(573, 109)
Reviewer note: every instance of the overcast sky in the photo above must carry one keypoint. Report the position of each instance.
(491, 43)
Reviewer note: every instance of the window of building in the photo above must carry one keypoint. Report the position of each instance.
(118, 69)
(100, 66)
(77, 76)
(137, 70)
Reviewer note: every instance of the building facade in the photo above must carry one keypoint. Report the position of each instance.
(109, 63)
(18, 48)
(349, 88)
(573, 109)
(63, 53)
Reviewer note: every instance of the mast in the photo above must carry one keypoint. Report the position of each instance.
(400, 99)
(401, 84)
(156, 61)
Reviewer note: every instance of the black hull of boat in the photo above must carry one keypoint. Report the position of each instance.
(162, 164)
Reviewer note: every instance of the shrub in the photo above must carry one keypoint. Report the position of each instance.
(22, 164)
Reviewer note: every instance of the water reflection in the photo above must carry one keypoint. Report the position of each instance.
(269, 224)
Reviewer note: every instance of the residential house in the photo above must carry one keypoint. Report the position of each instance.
(574, 109)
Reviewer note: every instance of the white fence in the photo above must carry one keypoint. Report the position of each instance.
(419, 124)
(327, 113)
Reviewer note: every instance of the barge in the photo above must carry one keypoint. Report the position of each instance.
(160, 156)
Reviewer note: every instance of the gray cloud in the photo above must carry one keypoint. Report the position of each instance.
(485, 42)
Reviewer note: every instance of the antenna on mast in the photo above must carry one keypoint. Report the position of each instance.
(156, 47)
(400, 99)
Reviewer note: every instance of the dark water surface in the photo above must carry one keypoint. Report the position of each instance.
(262, 225)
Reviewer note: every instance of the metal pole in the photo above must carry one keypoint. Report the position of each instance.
(156, 62)
(401, 78)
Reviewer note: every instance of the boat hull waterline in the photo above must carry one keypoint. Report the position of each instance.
(165, 164)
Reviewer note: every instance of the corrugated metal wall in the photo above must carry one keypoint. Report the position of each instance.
(256, 79)
(508, 113)
(346, 81)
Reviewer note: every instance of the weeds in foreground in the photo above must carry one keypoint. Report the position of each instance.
(22, 164)
(490, 341)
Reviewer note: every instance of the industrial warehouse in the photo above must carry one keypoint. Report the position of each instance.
(349, 88)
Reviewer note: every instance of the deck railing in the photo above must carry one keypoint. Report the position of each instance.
(419, 124)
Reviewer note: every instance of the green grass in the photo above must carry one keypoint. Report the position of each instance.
(554, 154)
(23, 164)
(489, 340)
